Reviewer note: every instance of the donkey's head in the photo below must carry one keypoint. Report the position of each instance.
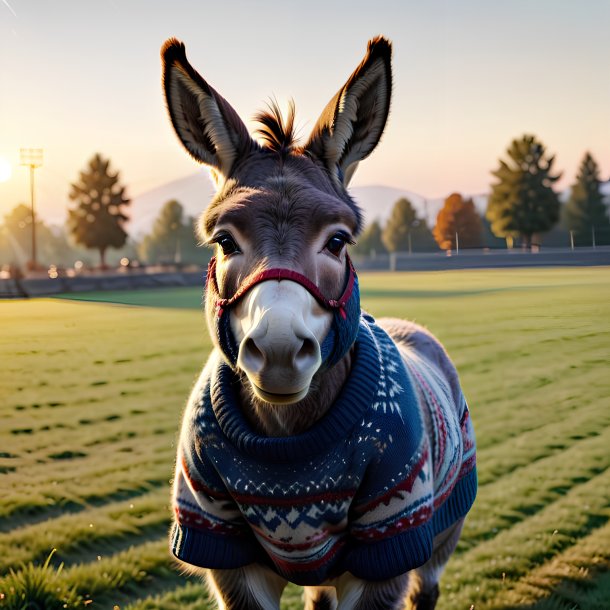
(281, 299)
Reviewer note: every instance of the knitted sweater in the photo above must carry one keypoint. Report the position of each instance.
(364, 490)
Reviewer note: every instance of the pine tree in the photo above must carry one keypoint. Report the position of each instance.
(585, 211)
(370, 242)
(98, 219)
(458, 216)
(404, 231)
(523, 202)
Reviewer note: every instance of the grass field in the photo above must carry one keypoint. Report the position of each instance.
(93, 392)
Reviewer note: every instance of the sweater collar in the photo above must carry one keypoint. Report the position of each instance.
(356, 396)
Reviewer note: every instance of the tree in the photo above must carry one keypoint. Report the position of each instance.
(585, 210)
(404, 231)
(488, 238)
(458, 216)
(172, 238)
(523, 202)
(16, 239)
(370, 242)
(98, 220)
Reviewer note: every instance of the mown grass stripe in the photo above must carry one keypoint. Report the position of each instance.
(567, 578)
(528, 490)
(94, 531)
(25, 508)
(117, 579)
(527, 545)
(550, 439)
(193, 596)
(528, 411)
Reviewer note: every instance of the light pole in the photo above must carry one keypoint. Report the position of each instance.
(32, 158)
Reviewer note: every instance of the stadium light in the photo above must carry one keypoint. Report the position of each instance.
(32, 158)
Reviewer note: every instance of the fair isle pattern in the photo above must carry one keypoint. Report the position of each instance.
(389, 388)
(365, 489)
(442, 423)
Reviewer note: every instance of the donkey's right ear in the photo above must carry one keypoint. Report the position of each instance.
(205, 122)
(352, 123)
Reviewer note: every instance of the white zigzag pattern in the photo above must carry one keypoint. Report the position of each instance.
(389, 388)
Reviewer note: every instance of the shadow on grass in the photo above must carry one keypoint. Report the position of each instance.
(25, 515)
(172, 298)
(591, 593)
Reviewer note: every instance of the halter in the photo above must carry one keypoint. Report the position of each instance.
(345, 310)
(279, 274)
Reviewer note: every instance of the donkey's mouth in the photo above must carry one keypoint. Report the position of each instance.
(280, 399)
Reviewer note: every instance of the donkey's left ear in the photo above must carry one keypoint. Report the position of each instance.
(351, 125)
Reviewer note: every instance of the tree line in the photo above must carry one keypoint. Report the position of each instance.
(97, 222)
(522, 206)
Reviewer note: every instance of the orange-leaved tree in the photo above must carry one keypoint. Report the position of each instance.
(458, 224)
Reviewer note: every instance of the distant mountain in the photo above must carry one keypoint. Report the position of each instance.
(377, 203)
(194, 192)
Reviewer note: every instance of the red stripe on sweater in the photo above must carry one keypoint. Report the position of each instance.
(199, 486)
(200, 522)
(402, 525)
(405, 485)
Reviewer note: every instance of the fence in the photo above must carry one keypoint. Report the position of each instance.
(400, 261)
(485, 258)
(32, 287)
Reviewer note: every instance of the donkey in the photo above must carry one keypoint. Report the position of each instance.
(318, 446)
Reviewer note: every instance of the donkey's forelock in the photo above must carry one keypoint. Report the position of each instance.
(277, 133)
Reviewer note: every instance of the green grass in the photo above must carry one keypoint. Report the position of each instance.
(93, 394)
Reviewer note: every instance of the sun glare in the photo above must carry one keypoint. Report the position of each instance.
(5, 170)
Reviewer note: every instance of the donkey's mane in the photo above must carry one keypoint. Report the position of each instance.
(277, 132)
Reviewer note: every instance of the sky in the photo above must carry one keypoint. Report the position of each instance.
(79, 77)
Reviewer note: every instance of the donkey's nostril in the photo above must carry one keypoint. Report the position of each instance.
(307, 353)
(252, 356)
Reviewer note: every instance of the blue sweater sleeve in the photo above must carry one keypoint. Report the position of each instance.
(209, 530)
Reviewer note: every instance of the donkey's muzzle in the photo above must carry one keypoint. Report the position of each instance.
(281, 328)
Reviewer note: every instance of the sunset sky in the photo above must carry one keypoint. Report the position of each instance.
(80, 77)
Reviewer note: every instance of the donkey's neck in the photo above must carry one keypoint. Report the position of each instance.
(286, 420)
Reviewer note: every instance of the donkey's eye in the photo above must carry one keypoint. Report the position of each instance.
(227, 244)
(337, 242)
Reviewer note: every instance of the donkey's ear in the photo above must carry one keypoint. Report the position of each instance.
(351, 125)
(205, 122)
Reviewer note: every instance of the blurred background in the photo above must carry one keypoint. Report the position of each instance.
(474, 81)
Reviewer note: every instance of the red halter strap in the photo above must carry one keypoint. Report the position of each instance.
(283, 274)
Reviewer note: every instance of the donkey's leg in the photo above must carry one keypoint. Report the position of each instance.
(356, 594)
(252, 587)
(320, 598)
(423, 582)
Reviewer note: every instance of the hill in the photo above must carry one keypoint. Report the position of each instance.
(195, 191)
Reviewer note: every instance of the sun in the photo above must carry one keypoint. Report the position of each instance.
(5, 169)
